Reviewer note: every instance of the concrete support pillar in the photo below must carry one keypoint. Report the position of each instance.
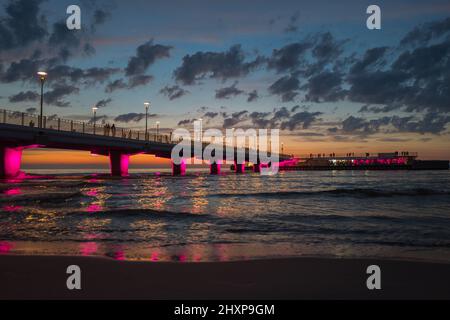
(179, 169)
(257, 167)
(239, 167)
(214, 168)
(10, 159)
(118, 163)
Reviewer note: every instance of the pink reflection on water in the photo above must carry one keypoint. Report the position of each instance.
(5, 247)
(11, 208)
(88, 248)
(154, 256)
(92, 193)
(12, 192)
(94, 208)
(182, 258)
(197, 257)
(119, 255)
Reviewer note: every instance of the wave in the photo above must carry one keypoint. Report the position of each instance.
(355, 192)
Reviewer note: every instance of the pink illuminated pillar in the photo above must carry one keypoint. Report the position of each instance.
(118, 163)
(214, 168)
(179, 169)
(10, 159)
(239, 167)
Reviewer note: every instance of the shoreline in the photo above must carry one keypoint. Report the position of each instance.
(44, 277)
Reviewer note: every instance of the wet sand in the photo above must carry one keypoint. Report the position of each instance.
(44, 277)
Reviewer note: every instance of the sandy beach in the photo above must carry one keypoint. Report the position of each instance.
(44, 277)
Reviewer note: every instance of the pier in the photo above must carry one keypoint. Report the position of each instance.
(18, 132)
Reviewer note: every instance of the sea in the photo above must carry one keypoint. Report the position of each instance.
(153, 216)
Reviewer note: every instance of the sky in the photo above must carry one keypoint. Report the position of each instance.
(309, 68)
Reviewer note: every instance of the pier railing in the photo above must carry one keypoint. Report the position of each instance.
(86, 127)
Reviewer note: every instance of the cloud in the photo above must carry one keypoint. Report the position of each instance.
(25, 69)
(115, 85)
(423, 34)
(228, 92)
(210, 115)
(185, 122)
(139, 80)
(302, 120)
(287, 87)
(54, 96)
(173, 92)
(252, 96)
(24, 96)
(22, 24)
(289, 57)
(234, 119)
(431, 122)
(216, 65)
(325, 86)
(103, 103)
(31, 110)
(146, 55)
(129, 117)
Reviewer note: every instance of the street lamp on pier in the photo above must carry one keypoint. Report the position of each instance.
(94, 110)
(147, 105)
(42, 77)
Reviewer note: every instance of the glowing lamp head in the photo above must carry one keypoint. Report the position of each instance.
(42, 75)
(147, 105)
(157, 122)
(94, 109)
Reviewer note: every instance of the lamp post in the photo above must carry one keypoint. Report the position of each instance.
(201, 130)
(282, 148)
(147, 105)
(157, 128)
(42, 76)
(94, 110)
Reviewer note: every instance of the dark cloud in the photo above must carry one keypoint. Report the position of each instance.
(431, 122)
(173, 92)
(25, 69)
(54, 96)
(260, 119)
(325, 86)
(252, 96)
(218, 65)
(129, 117)
(100, 16)
(139, 80)
(185, 122)
(301, 120)
(289, 57)
(234, 119)
(24, 96)
(146, 55)
(426, 32)
(228, 92)
(31, 110)
(22, 24)
(372, 57)
(62, 36)
(280, 114)
(287, 87)
(210, 115)
(103, 103)
(327, 48)
(115, 85)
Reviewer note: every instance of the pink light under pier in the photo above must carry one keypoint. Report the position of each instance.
(179, 169)
(119, 163)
